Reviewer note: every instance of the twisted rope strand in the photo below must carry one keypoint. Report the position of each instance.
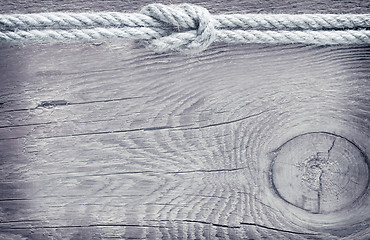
(235, 21)
(178, 39)
(183, 15)
(81, 34)
(187, 28)
(73, 20)
(294, 22)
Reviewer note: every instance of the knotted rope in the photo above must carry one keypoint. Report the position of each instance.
(187, 28)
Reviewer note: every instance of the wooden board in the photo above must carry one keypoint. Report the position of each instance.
(108, 140)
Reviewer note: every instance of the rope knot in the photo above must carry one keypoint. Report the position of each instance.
(191, 27)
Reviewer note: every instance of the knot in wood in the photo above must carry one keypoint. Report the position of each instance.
(191, 28)
(313, 170)
(320, 172)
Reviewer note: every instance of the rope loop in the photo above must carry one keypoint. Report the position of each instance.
(191, 27)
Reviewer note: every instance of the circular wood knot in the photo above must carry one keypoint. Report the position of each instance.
(320, 172)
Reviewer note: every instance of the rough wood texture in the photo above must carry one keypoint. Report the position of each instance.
(108, 140)
(329, 174)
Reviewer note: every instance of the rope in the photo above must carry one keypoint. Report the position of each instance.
(151, 16)
(187, 28)
(81, 34)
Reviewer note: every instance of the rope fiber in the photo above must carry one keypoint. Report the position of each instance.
(187, 28)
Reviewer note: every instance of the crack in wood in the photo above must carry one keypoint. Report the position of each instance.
(175, 128)
(332, 146)
(27, 125)
(235, 226)
(20, 221)
(207, 170)
(69, 196)
(277, 229)
(54, 103)
(228, 122)
(79, 175)
(82, 226)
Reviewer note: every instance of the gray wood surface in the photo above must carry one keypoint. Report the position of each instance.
(108, 140)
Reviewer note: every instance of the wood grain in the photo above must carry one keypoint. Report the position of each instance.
(326, 176)
(109, 140)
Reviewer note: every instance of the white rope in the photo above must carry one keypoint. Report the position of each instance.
(151, 16)
(81, 34)
(187, 28)
(180, 40)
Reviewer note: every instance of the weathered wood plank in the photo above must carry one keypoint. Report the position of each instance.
(112, 141)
